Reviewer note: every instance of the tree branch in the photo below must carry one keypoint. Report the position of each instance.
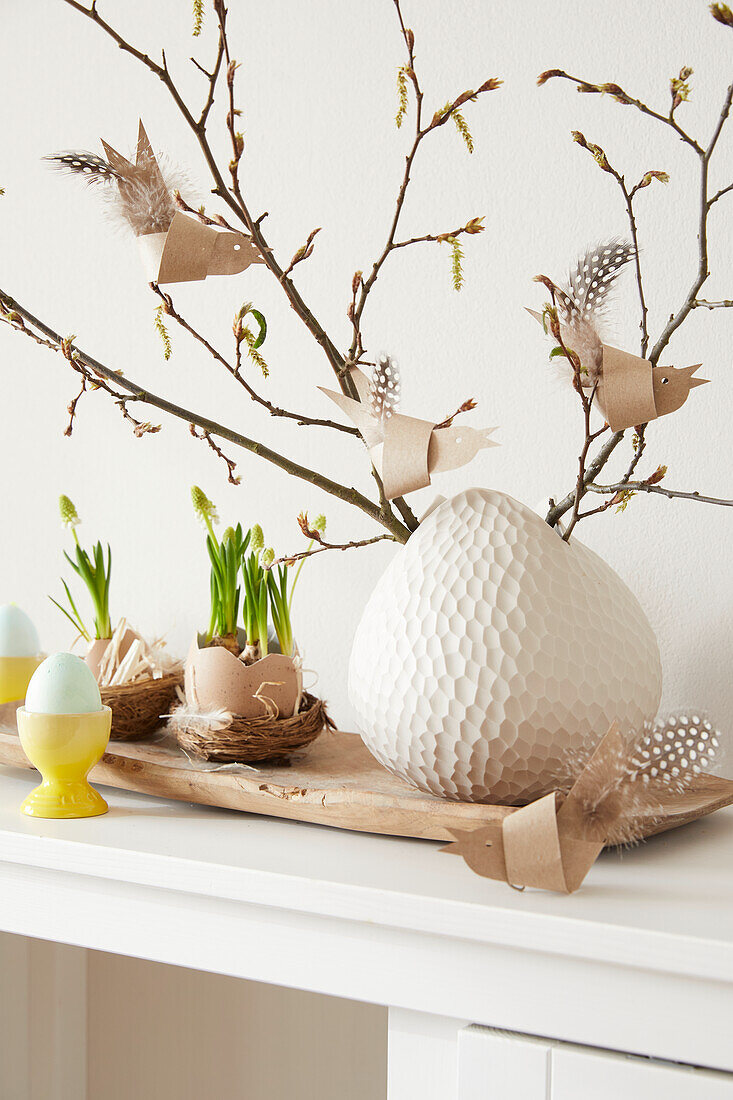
(235, 201)
(229, 462)
(233, 198)
(139, 393)
(213, 77)
(356, 312)
(601, 158)
(274, 410)
(580, 486)
(629, 200)
(719, 194)
(703, 269)
(323, 546)
(473, 226)
(586, 479)
(623, 97)
(557, 511)
(661, 490)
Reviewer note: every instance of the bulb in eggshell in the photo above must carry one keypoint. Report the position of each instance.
(63, 684)
(97, 650)
(216, 678)
(19, 652)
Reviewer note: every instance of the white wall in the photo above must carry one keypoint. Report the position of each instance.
(318, 91)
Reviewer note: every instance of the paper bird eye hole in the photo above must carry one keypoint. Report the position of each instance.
(665, 380)
(237, 247)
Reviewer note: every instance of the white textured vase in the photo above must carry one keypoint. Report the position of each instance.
(490, 647)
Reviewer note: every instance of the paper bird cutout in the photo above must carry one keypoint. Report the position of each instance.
(531, 847)
(623, 793)
(407, 451)
(630, 390)
(180, 249)
(540, 845)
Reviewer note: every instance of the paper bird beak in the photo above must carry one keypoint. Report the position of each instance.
(533, 313)
(697, 381)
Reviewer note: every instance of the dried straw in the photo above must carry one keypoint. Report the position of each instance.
(249, 740)
(137, 707)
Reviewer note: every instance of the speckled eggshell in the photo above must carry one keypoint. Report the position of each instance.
(490, 646)
(18, 635)
(62, 684)
(98, 648)
(215, 678)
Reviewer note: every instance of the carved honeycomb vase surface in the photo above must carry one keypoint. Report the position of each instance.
(490, 647)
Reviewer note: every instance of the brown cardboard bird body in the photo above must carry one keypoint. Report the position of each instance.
(539, 845)
(552, 843)
(407, 451)
(631, 390)
(185, 250)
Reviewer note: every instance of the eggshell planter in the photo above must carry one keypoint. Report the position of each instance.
(98, 648)
(216, 679)
(245, 714)
(490, 647)
(139, 708)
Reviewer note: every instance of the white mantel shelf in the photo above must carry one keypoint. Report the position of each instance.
(639, 960)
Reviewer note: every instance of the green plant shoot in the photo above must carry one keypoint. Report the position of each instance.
(255, 604)
(95, 573)
(225, 557)
(281, 596)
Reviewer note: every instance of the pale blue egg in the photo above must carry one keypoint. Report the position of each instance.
(63, 684)
(18, 635)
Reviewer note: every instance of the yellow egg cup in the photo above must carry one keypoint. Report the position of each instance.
(15, 674)
(64, 748)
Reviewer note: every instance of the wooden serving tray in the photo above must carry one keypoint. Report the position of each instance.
(334, 782)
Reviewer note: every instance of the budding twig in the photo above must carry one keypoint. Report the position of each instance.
(112, 381)
(356, 310)
(229, 462)
(661, 490)
(467, 406)
(314, 535)
(303, 252)
(704, 152)
(234, 370)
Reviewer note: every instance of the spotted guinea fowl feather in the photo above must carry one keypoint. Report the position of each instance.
(628, 787)
(143, 198)
(592, 278)
(582, 303)
(94, 169)
(384, 388)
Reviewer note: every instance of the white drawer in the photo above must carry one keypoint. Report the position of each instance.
(499, 1065)
(586, 1074)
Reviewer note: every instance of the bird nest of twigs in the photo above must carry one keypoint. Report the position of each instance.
(251, 740)
(138, 708)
